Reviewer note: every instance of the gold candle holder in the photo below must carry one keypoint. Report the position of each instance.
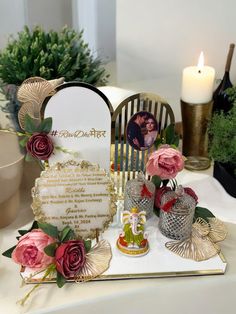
(195, 118)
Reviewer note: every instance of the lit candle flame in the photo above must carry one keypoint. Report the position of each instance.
(200, 62)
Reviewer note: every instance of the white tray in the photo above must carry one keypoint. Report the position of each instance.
(159, 262)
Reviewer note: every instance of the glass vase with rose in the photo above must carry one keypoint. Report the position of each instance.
(176, 204)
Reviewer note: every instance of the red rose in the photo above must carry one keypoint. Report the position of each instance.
(159, 193)
(70, 258)
(190, 192)
(40, 146)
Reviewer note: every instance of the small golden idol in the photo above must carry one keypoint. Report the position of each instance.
(133, 240)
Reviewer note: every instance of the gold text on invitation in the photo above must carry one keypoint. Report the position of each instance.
(92, 133)
(80, 199)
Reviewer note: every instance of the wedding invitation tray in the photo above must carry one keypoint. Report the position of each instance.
(79, 193)
(159, 262)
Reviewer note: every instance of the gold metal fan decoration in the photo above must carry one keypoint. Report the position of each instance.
(32, 94)
(97, 262)
(202, 243)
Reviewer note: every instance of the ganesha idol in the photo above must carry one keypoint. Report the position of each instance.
(133, 240)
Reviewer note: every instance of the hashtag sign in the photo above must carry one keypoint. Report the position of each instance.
(54, 133)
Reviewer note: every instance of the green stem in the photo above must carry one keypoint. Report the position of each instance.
(67, 151)
(51, 268)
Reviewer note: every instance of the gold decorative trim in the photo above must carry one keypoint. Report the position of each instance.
(162, 274)
(222, 257)
(83, 165)
(203, 241)
(141, 275)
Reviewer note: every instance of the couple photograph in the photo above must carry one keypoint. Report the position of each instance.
(142, 130)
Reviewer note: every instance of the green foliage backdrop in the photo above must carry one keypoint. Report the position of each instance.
(222, 131)
(50, 55)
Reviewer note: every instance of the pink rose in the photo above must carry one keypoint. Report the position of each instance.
(165, 162)
(40, 146)
(29, 251)
(70, 258)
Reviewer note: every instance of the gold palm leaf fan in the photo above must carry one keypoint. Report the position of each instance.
(35, 89)
(97, 261)
(195, 248)
(32, 94)
(199, 246)
(32, 109)
(57, 82)
(201, 227)
(218, 231)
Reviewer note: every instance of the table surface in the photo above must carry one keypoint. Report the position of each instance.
(205, 294)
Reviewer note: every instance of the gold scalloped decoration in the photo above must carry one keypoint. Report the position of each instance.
(97, 262)
(35, 89)
(78, 194)
(201, 227)
(55, 83)
(201, 244)
(32, 94)
(218, 231)
(195, 248)
(32, 109)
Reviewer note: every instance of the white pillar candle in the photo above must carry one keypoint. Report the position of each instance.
(198, 83)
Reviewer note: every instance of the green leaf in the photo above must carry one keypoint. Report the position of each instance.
(23, 141)
(170, 134)
(176, 140)
(49, 229)
(157, 181)
(34, 225)
(8, 252)
(51, 249)
(203, 213)
(29, 157)
(22, 232)
(158, 142)
(60, 280)
(30, 127)
(45, 126)
(67, 234)
(87, 245)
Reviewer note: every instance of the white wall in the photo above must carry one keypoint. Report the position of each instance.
(51, 14)
(98, 20)
(12, 19)
(157, 38)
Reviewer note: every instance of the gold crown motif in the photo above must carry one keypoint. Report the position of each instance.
(134, 210)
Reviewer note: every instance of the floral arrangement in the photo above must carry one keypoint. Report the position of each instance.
(163, 166)
(37, 141)
(60, 254)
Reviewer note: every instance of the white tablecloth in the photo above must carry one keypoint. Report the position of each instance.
(203, 294)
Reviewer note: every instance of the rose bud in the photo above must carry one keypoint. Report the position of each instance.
(40, 146)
